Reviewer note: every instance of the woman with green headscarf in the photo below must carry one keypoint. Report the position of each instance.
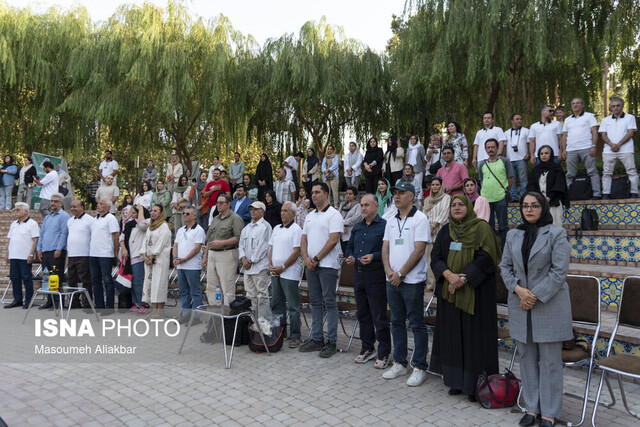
(385, 197)
(464, 260)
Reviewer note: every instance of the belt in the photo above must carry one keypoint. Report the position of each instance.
(222, 250)
(366, 270)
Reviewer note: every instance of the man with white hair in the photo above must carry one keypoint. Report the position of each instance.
(286, 271)
(23, 239)
(253, 253)
(52, 246)
(617, 132)
(102, 254)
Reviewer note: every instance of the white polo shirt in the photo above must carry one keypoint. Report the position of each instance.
(283, 241)
(402, 235)
(254, 245)
(546, 134)
(79, 240)
(21, 235)
(102, 236)
(317, 227)
(107, 169)
(50, 184)
(482, 135)
(187, 239)
(616, 129)
(518, 138)
(578, 130)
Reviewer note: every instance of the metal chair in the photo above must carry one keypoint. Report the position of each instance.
(502, 297)
(622, 364)
(584, 292)
(345, 279)
(37, 275)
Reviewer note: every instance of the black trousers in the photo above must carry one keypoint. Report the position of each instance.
(80, 273)
(371, 303)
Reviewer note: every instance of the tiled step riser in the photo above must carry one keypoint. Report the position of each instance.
(624, 215)
(610, 250)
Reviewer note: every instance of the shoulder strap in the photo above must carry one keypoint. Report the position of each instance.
(494, 175)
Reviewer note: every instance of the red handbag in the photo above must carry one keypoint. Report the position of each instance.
(498, 390)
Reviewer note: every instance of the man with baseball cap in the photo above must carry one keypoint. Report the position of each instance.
(254, 255)
(405, 238)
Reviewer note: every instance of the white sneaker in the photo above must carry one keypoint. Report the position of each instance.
(395, 371)
(418, 376)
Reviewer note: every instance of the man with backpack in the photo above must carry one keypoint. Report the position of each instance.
(496, 175)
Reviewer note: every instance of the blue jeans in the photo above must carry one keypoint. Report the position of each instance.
(322, 288)
(190, 290)
(137, 282)
(520, 172)
(101, 272)
(19, 273)
(499, 211)
(286, 297)
(406, 301)
(5, 196)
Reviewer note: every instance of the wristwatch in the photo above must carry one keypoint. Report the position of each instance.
(400, 275)
(316, 259)
(464, 279)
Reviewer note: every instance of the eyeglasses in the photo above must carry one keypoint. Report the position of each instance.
(186, 213)
(221, 202)
(531, 207)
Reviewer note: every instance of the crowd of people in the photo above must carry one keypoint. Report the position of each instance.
(422, 222)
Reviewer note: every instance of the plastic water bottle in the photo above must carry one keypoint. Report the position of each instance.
(45, 279)
(218, 296)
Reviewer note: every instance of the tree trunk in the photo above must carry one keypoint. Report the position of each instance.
(493, 96)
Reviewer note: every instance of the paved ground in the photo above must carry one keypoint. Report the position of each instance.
(194, 388)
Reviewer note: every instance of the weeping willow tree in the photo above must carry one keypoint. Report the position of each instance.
(456, 59)
(35, 50)
(158, 78)
(317, 85)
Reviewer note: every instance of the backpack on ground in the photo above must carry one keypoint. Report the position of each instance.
(620, 188)
(213, 333)
(274, 341)
(589, 221)
(580, 188)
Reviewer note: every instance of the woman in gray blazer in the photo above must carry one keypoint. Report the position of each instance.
(534, 268)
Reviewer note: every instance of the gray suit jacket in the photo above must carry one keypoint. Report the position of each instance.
(548, 268)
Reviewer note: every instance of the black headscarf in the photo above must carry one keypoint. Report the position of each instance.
(393, 146)
(312, 160)
(264, 171)
(272, 213)
(531, 230)
(557, 189)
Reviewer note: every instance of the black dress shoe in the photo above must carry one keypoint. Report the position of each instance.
(25, 306)
(546, 423)
(472, 398)
(14, 303)
(454, 392)
(46, 306)
(528, 420)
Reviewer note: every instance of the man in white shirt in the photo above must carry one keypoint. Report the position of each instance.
(187, 257)
(488, 131)
(517, 139)
(290, 164)
(284, 188)
(23, 238)
(353, 165)
(617, 131)
(580, 131)
(320, 250)
(546, 132)
(102, 254)
(253, 252)
(108, 167)
(284, 250)
(78, 244)
(50, 183)
(109, 191)
(405, 239)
